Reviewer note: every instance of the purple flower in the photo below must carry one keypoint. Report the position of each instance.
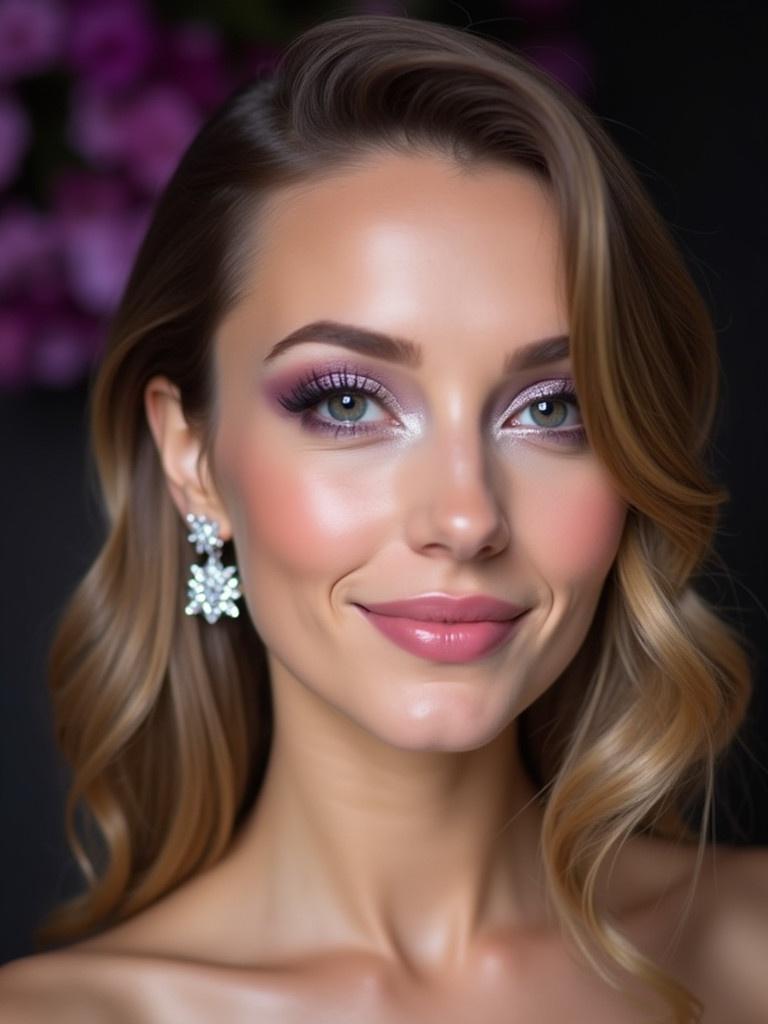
(99, 250)
(15, 135)
(96, 125)
(147, 132)
(29, 258)
(111, 42)
(31, 37)
(99, 224)
(16, 328)
(77, 192)
(157, 127)
(193, 59)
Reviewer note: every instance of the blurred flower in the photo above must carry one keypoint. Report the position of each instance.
(90, 213)
(15, 135)
(29, 258)
(111, 42)
(99, 223)
(193, 59)
(16, 330)
(77, 192)
(31, 37)
(146, 133)
(98, 251)
(95, 126)
(157, 127)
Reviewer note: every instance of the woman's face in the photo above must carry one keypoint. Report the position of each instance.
(444, 472)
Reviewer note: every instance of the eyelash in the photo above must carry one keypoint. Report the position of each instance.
(314, 388)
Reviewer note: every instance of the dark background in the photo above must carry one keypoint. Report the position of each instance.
(680, 87)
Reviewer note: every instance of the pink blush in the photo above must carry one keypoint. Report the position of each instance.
(581, 535)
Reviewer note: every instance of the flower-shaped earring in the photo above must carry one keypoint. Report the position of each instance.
(212, 589)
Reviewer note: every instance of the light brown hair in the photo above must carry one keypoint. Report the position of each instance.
(166, 721)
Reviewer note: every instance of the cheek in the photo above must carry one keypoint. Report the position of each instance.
(311, 522)
(574, 522)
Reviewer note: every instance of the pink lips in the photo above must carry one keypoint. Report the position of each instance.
(444, 628)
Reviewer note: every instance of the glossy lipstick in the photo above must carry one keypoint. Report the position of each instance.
(443, 628)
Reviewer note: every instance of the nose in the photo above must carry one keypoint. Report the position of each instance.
(454, 507)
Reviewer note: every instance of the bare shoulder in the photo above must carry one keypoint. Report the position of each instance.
(739, 942)
(705, 921)
(64, 986)
(120, 977)
(91, 983)
(729, 948)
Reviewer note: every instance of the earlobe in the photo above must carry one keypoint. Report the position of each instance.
(178, 447)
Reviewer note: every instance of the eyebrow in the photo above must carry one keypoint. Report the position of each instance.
(408, 353)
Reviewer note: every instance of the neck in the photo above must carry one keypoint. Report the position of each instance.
(414, 855)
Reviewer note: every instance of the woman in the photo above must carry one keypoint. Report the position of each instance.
(405, 328)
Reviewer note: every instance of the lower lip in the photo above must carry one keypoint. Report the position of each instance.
(445, 641)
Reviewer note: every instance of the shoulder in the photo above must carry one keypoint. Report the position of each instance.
(69, 987)
(119, 977)
(706, 924)
(731, 943)
(740, 938)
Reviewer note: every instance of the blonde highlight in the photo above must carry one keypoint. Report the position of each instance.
(166, 722)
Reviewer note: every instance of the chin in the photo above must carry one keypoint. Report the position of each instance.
(443, 716)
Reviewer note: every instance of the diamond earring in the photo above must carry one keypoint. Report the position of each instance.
(212, 589)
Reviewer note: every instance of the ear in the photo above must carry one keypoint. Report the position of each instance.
(179, 446)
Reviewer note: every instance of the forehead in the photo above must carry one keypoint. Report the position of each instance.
(413, 245)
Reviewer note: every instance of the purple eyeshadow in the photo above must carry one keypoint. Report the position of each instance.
(297, 392)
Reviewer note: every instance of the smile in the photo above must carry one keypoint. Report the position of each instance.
(447, 642)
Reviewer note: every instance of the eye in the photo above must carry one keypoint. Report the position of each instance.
(347, 406)
(550, 412)
(551, 409)
(347, 397)
(344, 402)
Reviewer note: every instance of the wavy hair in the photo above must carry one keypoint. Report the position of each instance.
(167, 724)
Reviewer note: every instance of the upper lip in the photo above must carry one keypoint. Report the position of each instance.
(448, 608)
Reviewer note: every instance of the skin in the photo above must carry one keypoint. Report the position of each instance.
(395, 781)
(390, 869)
